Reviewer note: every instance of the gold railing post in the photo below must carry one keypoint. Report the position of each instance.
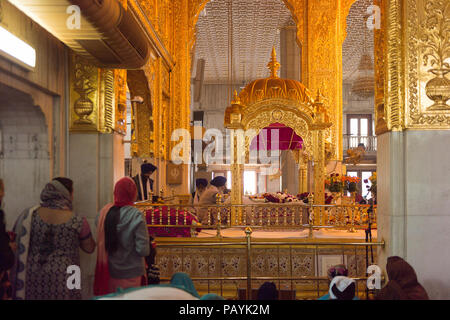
(219, 222)
(310, 222)
(248, 233)
(352, 221)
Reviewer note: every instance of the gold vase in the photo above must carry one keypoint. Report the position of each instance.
(83, 108)
(438, 90)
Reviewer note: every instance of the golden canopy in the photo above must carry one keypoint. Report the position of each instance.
(274, 88)
(274, 100)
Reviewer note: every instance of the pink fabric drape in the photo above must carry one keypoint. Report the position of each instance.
(101, 280)
(276, 137)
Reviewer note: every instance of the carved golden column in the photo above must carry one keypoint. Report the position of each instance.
(322, 120)
(379, 68)
(319, 173)
(302, 174)
(321, 31)
(237, 177)
(138, 85)
(180, 102)
(239, 144)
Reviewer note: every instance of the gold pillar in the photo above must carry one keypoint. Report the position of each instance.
(319, 172)
(322, 34)
(302, 174)
(237, 172)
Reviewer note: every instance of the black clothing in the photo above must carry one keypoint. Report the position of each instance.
(6, 253)
(142, 195)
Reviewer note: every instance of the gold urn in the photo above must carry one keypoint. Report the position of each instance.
(438, 90)
(83, 108)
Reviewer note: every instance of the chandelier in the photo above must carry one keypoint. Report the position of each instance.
(364, 84)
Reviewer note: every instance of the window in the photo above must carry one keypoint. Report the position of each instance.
(359, 127)
(359, 124)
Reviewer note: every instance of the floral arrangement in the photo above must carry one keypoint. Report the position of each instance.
(334, 183)
(337, 183)
(351, 183)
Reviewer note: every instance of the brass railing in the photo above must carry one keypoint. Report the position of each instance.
(260, 215)
(344, 248)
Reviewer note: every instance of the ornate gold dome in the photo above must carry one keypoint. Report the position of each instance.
(274, 87)
(269, 88)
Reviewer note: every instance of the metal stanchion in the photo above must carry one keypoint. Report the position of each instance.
(248, 233)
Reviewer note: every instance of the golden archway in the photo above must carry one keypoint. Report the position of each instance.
(275, 100)
(321, 31)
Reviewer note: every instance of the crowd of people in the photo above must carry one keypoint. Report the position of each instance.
(47, 238)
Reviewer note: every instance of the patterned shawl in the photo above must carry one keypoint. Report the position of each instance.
(56, 196)
(22, 228)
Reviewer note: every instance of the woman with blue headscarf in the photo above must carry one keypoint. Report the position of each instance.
(182, 279)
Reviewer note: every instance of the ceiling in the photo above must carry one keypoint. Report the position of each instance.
(359, 39)
(256, 25)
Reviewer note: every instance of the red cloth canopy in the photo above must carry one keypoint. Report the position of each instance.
(267, 138)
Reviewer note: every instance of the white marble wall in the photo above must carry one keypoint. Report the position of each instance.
(414, 204)
(95, 164)
(24, 155)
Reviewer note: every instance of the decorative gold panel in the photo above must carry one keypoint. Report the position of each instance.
(107, 103)
(97, 98)
(160, 13)
(84, 95)
(427, 64)
(120, 90)
(379, 66)
(138, 84)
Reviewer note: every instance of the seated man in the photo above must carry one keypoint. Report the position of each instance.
(143, 182)
(200, 187)
(209, 197)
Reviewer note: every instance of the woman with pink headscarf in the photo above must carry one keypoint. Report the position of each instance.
(123, 242)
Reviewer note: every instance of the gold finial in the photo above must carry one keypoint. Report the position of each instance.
(236, 99)
(318, 96)
(274, 65)
(218, 198)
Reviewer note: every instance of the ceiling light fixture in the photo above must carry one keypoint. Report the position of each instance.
(364, 84)
(15, 49)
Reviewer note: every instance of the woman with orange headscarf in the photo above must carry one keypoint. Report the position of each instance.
(123, 242)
